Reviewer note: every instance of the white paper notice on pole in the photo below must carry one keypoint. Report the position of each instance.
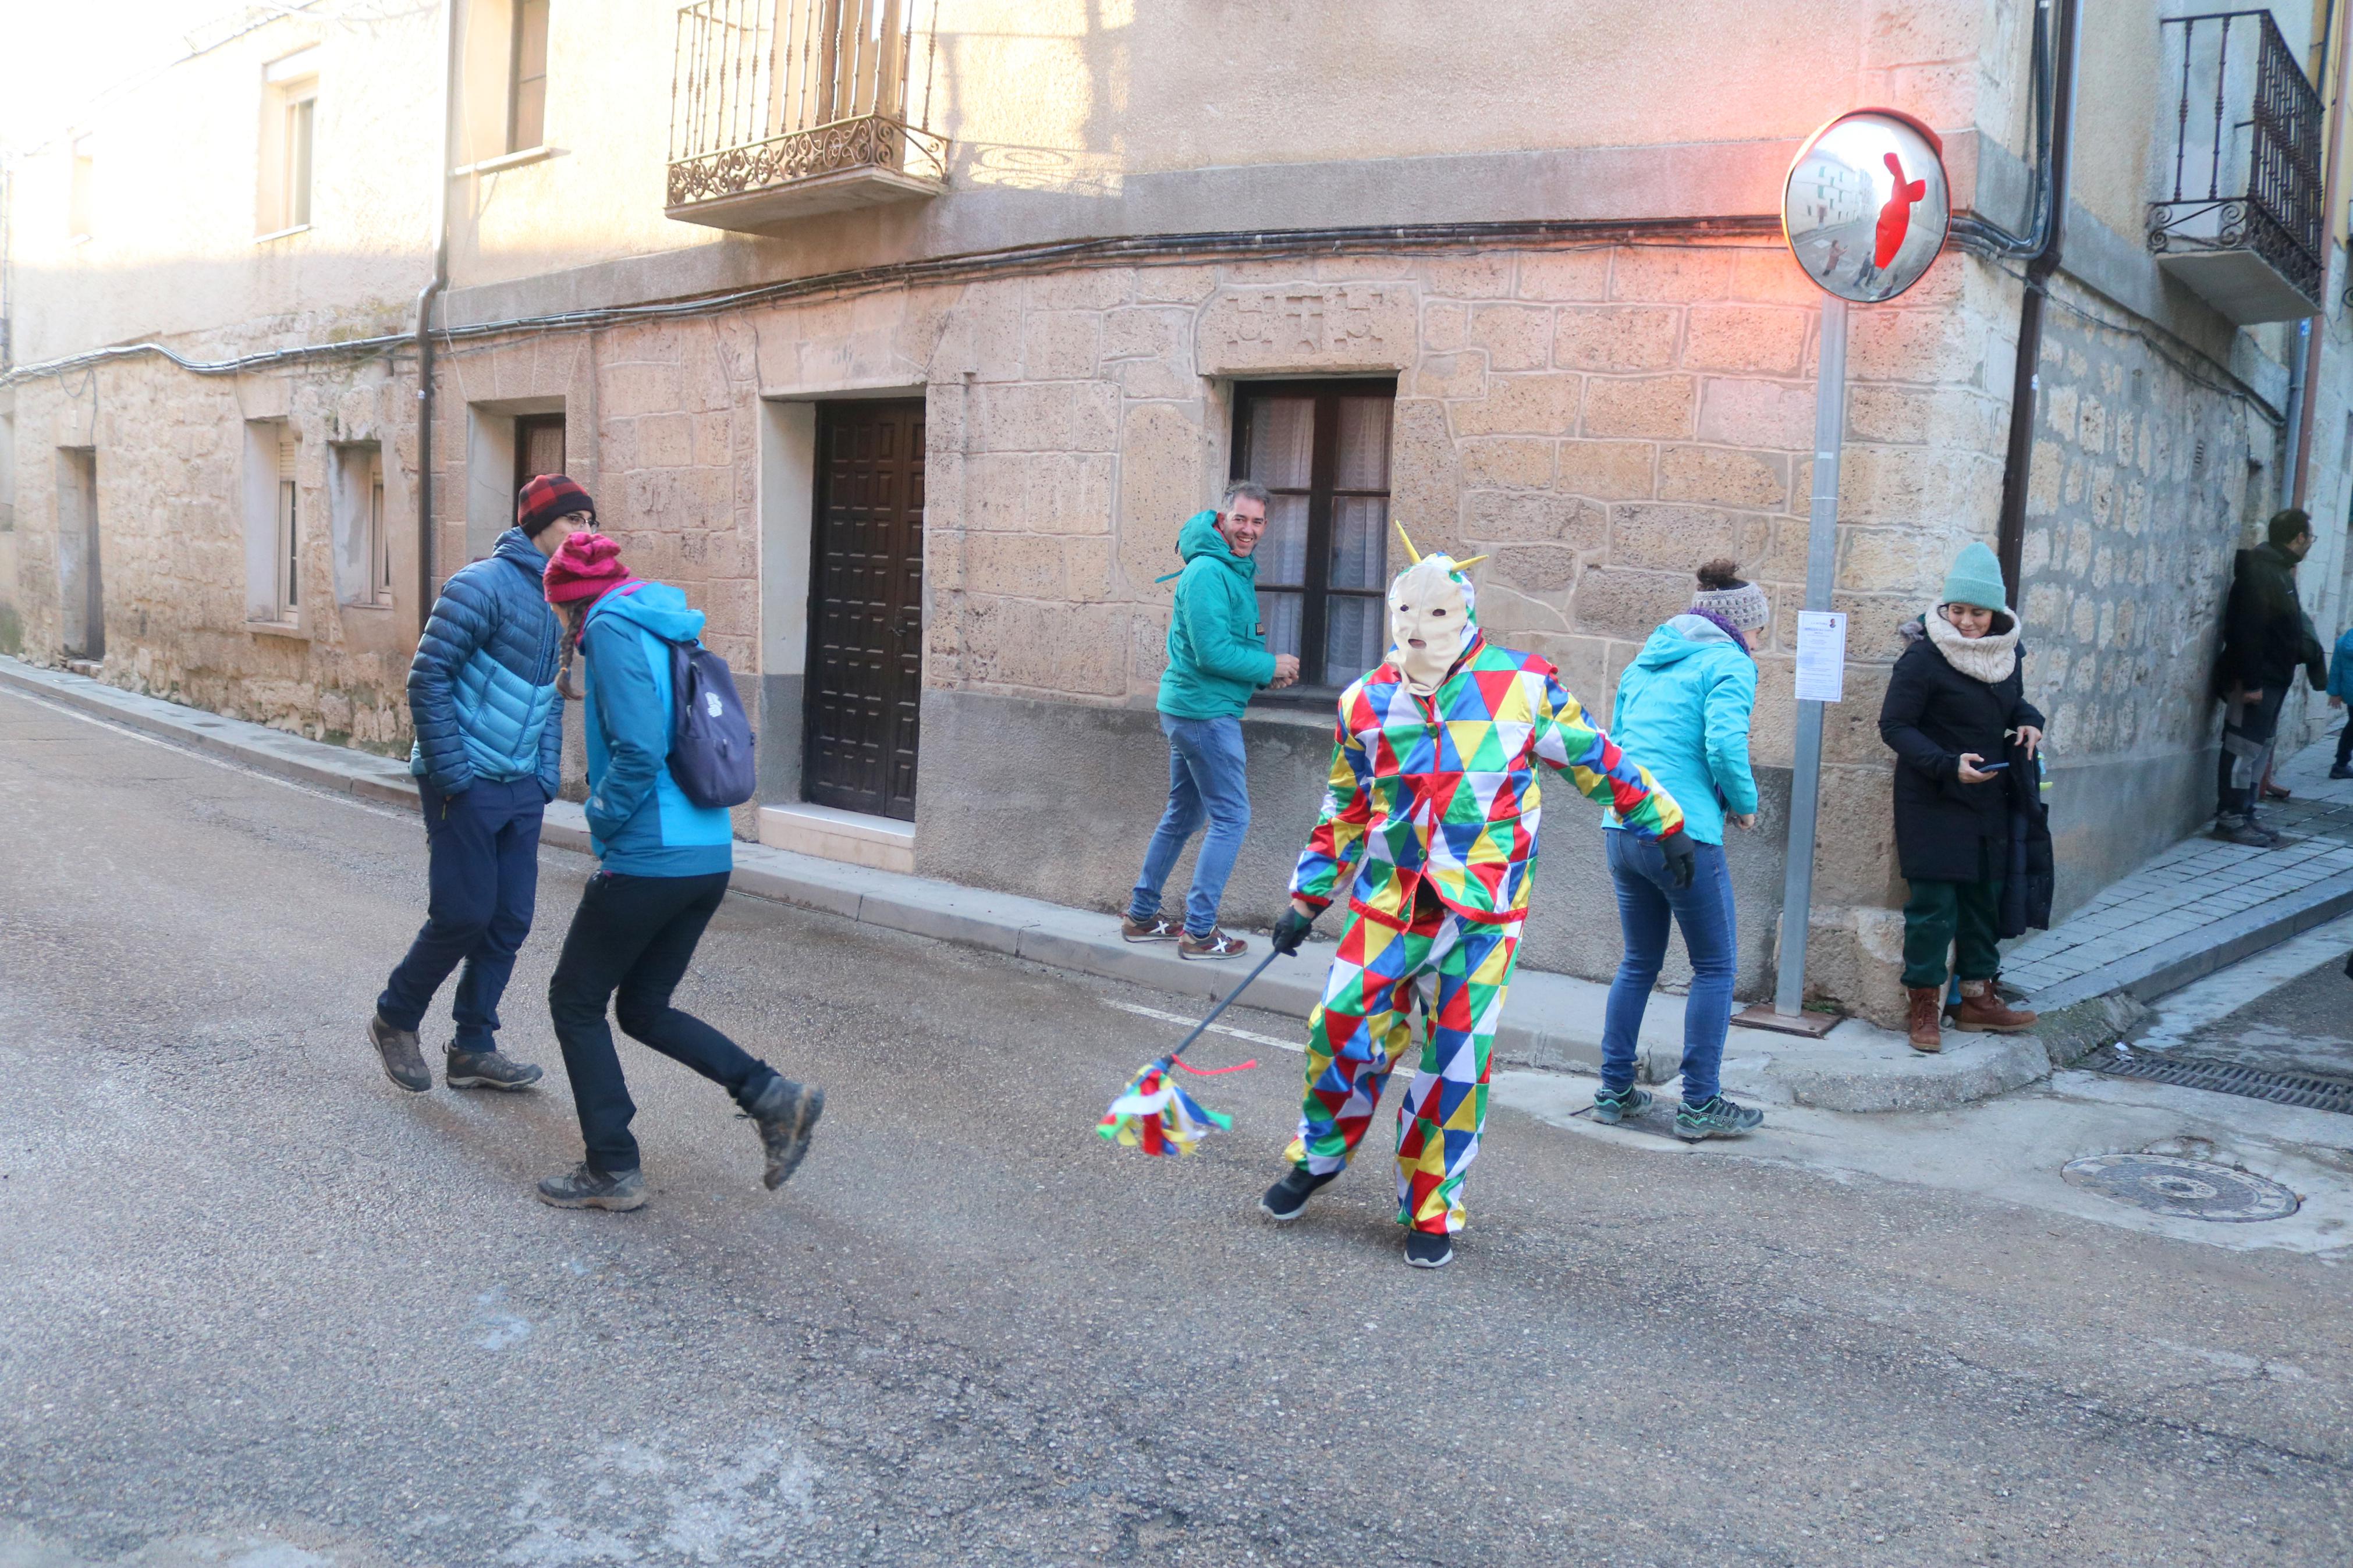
(1821, 656)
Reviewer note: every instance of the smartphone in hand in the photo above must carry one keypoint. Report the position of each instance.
(1991, 767)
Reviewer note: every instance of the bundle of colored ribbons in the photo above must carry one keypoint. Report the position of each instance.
(1154, 1113)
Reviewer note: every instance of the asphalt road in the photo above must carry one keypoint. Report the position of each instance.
(259, 1307)
(2304, 1026)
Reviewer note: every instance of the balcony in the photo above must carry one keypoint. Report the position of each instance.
(780, 109)
(2244, 224)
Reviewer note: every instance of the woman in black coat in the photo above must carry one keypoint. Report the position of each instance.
(1955, 703)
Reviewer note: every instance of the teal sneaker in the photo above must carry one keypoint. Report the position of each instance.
(1716, 1117)
(1610, 1109)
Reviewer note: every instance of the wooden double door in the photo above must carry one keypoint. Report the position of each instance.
(866, 613)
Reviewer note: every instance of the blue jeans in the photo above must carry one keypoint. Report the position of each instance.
(484, 850)
(1207, 774)
(1646, 898)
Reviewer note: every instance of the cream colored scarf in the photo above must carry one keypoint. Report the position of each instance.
(1989, 658)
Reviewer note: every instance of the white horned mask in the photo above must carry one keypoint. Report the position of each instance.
(1433, 612)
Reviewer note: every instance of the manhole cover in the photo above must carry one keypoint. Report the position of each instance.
(2186, 1189)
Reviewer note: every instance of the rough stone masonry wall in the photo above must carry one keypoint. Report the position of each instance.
(170, 465)
(2143, 486)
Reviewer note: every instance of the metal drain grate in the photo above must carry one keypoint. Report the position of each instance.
(2307, 1090)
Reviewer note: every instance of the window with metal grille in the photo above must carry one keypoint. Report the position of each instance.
(527, 77)
(1321, 449)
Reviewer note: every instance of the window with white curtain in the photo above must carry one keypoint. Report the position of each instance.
(1322, 448)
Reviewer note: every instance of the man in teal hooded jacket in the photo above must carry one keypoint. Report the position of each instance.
(1217, 658)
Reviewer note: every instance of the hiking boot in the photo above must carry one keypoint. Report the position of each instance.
(1983, 1013)
(403, 1062)
(1717, 1116)
(1612, 1106)
(486, 1070)
(785, 1114)
(1429, 1249)
(1159, 928)
(584, 1188)
(1922, 1021)
(1287, 1199)
(2244, 830)
(1217, 944)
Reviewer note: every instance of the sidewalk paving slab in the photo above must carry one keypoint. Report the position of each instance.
(1551, 1021)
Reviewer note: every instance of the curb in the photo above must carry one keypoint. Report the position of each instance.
(2169, 965)
(1551, 1021)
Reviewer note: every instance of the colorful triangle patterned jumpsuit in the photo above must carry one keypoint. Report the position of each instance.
(1430, 823)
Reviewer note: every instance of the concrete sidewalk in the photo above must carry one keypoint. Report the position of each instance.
(1550, 1021)
(2202, 904)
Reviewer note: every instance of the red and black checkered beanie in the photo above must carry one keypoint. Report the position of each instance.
(546, 498)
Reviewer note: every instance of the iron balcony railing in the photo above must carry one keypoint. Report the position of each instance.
(2246, 151)
(764, 93)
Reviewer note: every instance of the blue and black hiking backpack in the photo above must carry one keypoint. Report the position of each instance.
(709, 738)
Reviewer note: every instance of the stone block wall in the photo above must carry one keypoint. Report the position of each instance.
(2147, 478)
(171, 518)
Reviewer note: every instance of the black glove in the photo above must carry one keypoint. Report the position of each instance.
(1291, 930)
(1681, 861)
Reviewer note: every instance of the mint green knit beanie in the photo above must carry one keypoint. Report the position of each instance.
(1976, 579)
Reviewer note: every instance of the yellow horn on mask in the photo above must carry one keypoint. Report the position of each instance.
(1411, 553)
(1466, 565)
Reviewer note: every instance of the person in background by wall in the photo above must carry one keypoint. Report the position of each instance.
(2266, 639)
(2340, 688)
(1957, 697)
(1682, 710)
(1217, 658)
(488, 759)
(665, 864)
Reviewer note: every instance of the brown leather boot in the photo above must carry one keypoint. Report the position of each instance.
(1982, 1012)
(1927, 1033)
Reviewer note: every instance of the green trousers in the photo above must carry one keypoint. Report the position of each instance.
(1939, 915)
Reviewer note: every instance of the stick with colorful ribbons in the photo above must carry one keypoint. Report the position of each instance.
(1153, 1113)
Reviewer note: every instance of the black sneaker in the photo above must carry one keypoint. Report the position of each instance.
(1425, 1249)
(2339, 771)
(583, 1188)
(785, 1114)
(1716, 1117)
(403, 1062)
(1611, 1108)
(1287, 1199)
(486, 1070)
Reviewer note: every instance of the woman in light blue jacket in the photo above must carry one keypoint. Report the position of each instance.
(1683, 712)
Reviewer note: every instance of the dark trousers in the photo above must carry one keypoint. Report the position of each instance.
(2345, 745)
(484, 880)
(2249, 731)
(1647, 899)
(1960, 916)
(636, 935)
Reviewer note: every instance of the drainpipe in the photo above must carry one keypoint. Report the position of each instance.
(445, 153)
(2332, 122)
(2018, 461)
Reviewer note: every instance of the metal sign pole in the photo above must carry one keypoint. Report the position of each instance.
(1821, 570)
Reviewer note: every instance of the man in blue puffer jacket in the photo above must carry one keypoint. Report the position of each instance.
(487, 758)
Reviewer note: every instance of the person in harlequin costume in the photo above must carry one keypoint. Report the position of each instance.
(1429, 829)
